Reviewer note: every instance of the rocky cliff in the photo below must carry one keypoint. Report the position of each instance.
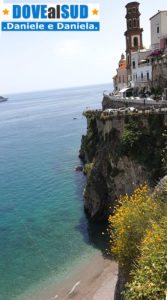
(118, 152)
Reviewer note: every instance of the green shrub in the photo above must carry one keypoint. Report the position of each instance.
(150, 275)
(131, 137)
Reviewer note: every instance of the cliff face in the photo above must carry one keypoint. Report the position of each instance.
(119, 152)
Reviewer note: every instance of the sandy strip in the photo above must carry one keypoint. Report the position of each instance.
(95, 281)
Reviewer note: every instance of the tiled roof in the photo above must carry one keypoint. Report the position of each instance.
(122, 66)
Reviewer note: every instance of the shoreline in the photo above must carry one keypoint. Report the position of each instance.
(96, 280)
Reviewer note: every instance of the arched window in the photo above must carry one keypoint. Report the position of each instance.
(130, 24)
(134, 22)
(135, 41)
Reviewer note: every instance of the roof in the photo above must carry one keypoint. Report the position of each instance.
(132, 3)
(122, 66)
(114, 77)
(160, 11)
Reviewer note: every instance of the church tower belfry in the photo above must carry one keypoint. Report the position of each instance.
(133, 34)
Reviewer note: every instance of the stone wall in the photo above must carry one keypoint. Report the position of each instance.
(160, 73)
(109, 103)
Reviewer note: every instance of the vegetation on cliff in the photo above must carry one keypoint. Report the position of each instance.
(150, 277)
(138, 236)
(138, 239)
(138, 221)
(117, 151)
(137, 142)
(143, 146)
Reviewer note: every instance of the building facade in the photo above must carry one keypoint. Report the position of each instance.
(159, 67)
(120, 80)
(141, 70)
(133, 34)
(159, 51)
(163, 43)
(158, 29)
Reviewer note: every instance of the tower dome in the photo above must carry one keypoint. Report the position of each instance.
(122, 60)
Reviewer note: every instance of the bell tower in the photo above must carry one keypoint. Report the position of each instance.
(133, 34)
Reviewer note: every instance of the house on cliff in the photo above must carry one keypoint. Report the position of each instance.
(158, 29)
(141, 71)
(159, 51)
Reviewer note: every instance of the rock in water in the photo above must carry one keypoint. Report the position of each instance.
(79, 169)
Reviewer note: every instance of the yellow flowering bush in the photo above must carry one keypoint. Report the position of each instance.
(129, 222)
(150, 275)
(138, 239)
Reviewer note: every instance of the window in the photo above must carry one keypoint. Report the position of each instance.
(123, 79)
(134, 22)
(119, 79)
(136, 77)
(148, 75)
(134, 9)
(142, 75)
(166, 42)
(134, 65)
(135, 41)
(130, 24)
(129, 10)
(158, 29)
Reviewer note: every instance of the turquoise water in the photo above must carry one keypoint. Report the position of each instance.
(43, 229)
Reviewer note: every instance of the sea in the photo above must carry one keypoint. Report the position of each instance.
(44, 232)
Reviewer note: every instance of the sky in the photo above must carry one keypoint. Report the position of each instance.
(34, 61)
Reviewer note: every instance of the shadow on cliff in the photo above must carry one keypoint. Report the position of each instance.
(90, 230)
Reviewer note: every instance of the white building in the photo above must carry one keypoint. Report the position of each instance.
(141, 69)
(158, 28)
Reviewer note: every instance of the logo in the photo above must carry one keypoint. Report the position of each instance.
(50, 17)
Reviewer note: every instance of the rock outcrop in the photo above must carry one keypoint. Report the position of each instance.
(119, 153)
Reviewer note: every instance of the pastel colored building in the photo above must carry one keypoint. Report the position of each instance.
(163, 43)
(142, 69)
(120, 80)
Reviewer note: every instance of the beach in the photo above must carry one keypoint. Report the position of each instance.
(96, 280)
